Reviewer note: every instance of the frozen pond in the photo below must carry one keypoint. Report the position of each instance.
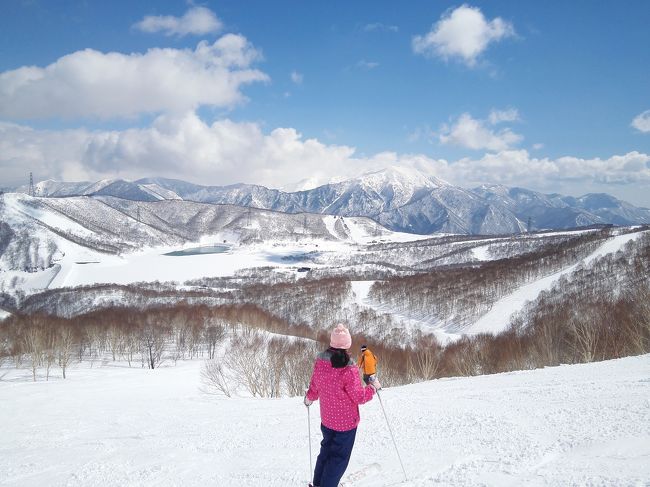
(208, 249)
(292, 257)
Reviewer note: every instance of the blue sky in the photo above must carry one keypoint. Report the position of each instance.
(553, 96)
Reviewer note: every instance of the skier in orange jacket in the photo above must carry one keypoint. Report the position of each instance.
(367, 363)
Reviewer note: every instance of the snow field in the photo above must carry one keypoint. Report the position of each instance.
(569, 425)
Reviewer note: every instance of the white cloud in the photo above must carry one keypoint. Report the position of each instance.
(196, 21)
(367, 65)
(538, 146)
(464, 34)
(46, 153)
(508, 115)
(473, 134)
(518, 168)
(90, 83)
(226, 152)
(297, 77)
(379, 27)
(421, 133)
(642, 122)
(183, 147)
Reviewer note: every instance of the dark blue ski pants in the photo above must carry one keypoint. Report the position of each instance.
(335, 451)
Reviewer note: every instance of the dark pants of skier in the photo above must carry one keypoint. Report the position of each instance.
(335, 451)
(366, 378)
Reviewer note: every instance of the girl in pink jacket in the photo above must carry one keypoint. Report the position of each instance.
(336, 383)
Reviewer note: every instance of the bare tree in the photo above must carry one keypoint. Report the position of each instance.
(425, 360)
(215, 378)
(32, 344)
(273, 367)
(298, 364)
(584, 338)
(48, 335)
(115, 340)
(152, 343)
(214, 334)
(131, 345)
(637, 329)
(64, 346)
(246, 360)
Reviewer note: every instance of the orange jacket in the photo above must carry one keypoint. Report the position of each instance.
(367, 362)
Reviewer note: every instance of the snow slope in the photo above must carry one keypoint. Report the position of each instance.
(110, 425)
(427, 324)
(498, 318)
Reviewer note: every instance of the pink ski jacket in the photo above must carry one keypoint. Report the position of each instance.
(340, 392)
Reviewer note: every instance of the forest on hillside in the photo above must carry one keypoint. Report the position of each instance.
(596, 312)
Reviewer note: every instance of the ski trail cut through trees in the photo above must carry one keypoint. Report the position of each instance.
(497, 319)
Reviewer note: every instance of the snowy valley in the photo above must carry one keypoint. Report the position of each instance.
(143, 305)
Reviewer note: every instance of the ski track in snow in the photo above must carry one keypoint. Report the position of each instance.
(498, 318)
(411, 322)
(112, 425)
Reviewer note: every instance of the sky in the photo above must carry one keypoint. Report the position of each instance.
(552, 96)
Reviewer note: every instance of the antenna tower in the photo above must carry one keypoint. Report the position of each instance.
(32, 191)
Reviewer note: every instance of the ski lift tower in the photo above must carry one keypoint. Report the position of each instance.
(529, 226)
(32, 191)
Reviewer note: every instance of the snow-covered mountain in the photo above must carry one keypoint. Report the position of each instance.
(558, 211)
(36, 233)
(138, 190)
(401, 199)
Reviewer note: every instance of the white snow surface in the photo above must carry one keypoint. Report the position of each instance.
(481, 253)
(114, 425)
(498, 318)
(15, 208)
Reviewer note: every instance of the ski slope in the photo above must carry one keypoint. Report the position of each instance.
(410, 323)
(111, 425)
(497, 319)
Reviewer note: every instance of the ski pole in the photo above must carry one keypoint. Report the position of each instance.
(392, 435)
(311, 470)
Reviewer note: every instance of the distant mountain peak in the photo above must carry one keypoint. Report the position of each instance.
(599, 200)
(401, 176)
(400, 198)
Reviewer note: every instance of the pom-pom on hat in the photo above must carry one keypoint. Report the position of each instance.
(340, 337)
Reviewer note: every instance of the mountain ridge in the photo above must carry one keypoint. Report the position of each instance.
(401, 199)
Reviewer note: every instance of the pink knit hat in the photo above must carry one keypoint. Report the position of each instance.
(340, 337)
